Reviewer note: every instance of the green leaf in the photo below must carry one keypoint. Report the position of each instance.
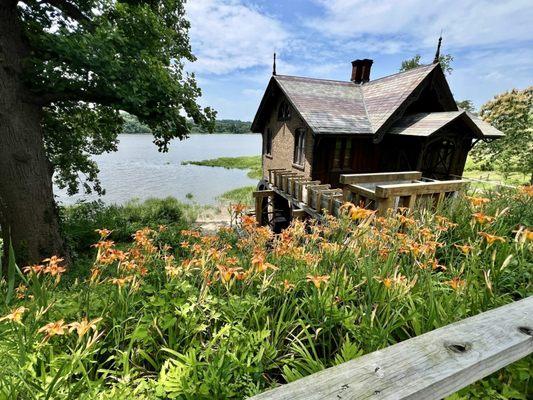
(11, 268)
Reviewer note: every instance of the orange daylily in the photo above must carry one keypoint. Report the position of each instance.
(103, 233)
(456, 283)
(318, 280)
(464, 248)
(83, 326)
(481, 218)
(15, 315)
(53, 329)
(477, 201)
(491, 238)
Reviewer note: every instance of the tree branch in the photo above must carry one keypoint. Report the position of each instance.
(70, 10)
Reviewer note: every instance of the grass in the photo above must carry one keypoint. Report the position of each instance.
(230, 315)
(241, 195)
(253, 163)
(478, 171)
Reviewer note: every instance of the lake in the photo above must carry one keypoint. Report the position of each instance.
(138, 171)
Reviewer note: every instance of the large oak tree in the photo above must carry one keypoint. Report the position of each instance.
(66, 69)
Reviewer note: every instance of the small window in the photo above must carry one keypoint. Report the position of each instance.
(284, 111)
(342, 155)
(299, 146)
(268, 142)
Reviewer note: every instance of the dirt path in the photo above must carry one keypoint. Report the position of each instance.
(212, 219)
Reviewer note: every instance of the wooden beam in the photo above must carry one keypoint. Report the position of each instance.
(427, 367)
(380, 177)
(263, 193)
(403, 189)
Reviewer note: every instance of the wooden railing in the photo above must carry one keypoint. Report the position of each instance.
(429, 366)
(379, 191)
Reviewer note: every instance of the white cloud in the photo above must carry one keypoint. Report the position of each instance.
(418, 22)
(227, 35)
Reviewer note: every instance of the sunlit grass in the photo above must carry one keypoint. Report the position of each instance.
(253, 163)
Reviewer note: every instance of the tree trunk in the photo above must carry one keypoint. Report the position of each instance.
(28, 214)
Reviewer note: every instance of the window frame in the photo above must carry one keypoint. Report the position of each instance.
(284, 111)
(298, 157)
(267, 144)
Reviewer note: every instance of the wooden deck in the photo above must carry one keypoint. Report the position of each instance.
(377, 191)
(427, 367)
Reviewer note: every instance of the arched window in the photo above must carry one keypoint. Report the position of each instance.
(299, 147)
(284, 111)
(268, 142)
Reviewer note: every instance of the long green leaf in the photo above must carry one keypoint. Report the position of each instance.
(11, 267)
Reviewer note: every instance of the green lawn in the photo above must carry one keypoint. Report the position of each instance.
(253, 163)
(241, 195)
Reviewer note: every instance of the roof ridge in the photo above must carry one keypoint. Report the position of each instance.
(316, 79)
(399, 73)
(366, 110)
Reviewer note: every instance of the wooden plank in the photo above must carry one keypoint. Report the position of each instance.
(271, 172)
(428, 367)
(380, 177)
(382, 205)
(298, 213)
(363, 191)
(404, 189)
(263, 193)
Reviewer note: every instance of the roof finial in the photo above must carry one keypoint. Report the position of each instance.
(437, 54)
(274, 65)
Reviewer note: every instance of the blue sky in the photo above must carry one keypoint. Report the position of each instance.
(491, 42)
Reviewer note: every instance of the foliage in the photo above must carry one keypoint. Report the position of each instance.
(230, 315)
(466, 105)
(92, 58)
(132, 125)
(511, 113)
(241, 195)
(79, 222)
(445, 61)
(225, 126)
(253, 163)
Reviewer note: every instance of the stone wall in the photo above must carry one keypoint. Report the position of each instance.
(283, 143)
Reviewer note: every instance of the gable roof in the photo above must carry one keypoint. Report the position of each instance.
(426, 124)
(340, 107)
(385, 95)
(327, 106)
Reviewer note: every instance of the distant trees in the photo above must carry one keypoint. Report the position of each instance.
(132, 125)
(512, 113)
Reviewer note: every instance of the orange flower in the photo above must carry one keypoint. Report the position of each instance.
(464, 248)
(21, 290)
(120, 282)
(477, 201)
(287, 285)
(103, 233)
(527, 190)
(36, 269)
(318, 280)
(263, 267)
(83, 326)
(15, 315)
(185, 244)
(387, 282)
(456, 283)
(481, 218)
(53, 329)
(226, 273)
(491, 238)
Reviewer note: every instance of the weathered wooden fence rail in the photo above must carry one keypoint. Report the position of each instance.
(429, 366)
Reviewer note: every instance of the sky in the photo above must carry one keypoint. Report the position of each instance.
(233, 40)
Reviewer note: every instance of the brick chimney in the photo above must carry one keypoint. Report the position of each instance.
(361, 70)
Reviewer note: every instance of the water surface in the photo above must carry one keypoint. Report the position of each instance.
(138, 171)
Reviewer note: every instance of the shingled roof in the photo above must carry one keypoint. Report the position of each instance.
(340, 107)
(426, 124)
